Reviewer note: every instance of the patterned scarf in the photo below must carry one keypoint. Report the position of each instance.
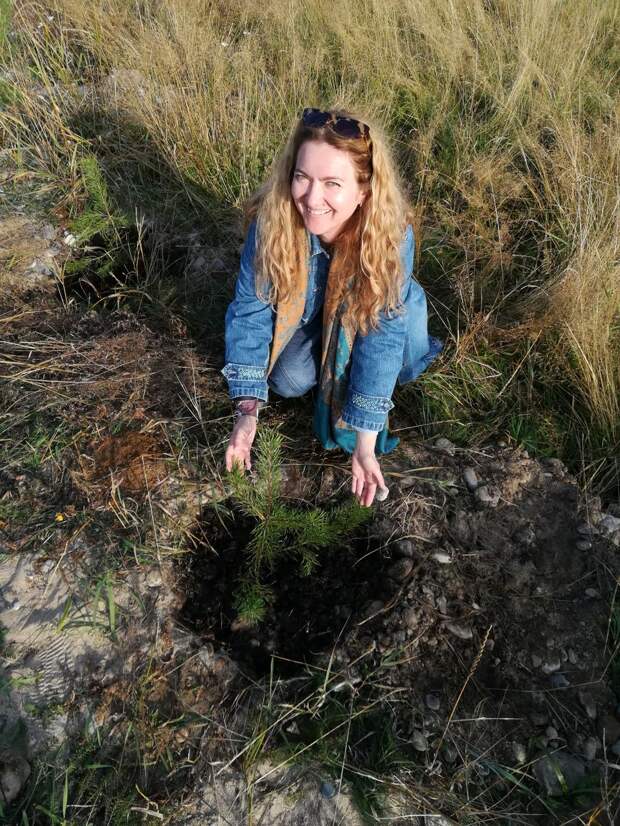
(337, 345)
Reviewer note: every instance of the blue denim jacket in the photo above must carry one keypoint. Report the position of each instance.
(399, 349)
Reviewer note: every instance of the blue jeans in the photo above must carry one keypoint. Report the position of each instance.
(297, 369)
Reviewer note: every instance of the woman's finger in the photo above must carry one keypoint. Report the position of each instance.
(369, 494)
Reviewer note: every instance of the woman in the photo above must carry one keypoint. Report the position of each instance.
(325, 294)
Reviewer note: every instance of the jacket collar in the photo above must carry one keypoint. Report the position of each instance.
(315, 245)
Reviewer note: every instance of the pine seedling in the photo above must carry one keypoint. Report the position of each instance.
(280, 529)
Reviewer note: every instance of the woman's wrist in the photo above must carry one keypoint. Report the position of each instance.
(366, 441)
(247, 407)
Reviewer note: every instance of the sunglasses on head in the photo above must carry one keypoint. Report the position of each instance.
(346, 127)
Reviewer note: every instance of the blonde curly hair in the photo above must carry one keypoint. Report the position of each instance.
(368, 247)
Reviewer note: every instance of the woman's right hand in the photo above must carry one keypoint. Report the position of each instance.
(240, 444)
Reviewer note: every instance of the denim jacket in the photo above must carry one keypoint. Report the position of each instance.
(399, 348)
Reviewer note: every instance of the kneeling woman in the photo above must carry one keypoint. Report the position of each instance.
(325, 294)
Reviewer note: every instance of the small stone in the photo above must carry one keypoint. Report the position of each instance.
(205, 655)
(609, 525)
(463, 632)
(552, 733)
(404, 548)
(587, 701)
(372, 608)
(382, 494)
(558, 772)
(442, 558)
(442, 604)
(536, 661)
(487, 496)
(583, 529)
(592, 593)
(559, 681)
(433, 702)
(410, 618)
(470, 478)
(328, 790)
(519, 751)
(13, 775)
(584, 545)
(154, 579)
(590, 748)
(609, 729)
(572, 657)
(419, 741)
(449, 752)
(400, 570)
(551, 665)
(525, 536)
(446, 445)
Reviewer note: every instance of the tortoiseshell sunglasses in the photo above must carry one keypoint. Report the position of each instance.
(346, 127)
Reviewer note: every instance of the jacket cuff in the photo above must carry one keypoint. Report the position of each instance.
(366, 412)
(246, 380)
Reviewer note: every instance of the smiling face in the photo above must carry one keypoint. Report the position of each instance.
(325, 189)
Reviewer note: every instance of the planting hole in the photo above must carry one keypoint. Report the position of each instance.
(309, 613)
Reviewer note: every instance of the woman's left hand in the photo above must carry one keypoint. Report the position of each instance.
(367, 476)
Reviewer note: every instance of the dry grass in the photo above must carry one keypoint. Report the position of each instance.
(505, 119)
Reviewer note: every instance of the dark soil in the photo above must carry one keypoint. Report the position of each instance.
(310, 614)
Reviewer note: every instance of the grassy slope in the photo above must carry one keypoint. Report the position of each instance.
(504, 116)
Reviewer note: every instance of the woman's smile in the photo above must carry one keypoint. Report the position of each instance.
(324, 188)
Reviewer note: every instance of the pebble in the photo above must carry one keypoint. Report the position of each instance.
(590, 748)
(410, 618)
(446, 445)
(419, 741)
(372, 608)
(609, 729)
(536, 661)
(519, 751)
(592, 593)
(450, 753)
(609, 525)
(572, 657)
(525, 536)
(442, 604)
(404, 548)
(463, 632)
(584, 545)
(559, 681)
(551, 665)
(433, 702)
(558, 772)
(400, 570)
(154, 579)
(470, 478)
(552, 733)
(487, 496)
(328, 790)
(442, 558)
(587, 701)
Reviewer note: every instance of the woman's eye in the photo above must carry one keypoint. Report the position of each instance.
(334, 183)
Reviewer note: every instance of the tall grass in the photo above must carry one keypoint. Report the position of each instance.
(504, 116)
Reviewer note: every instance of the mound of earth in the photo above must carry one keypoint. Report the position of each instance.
(481, 596)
